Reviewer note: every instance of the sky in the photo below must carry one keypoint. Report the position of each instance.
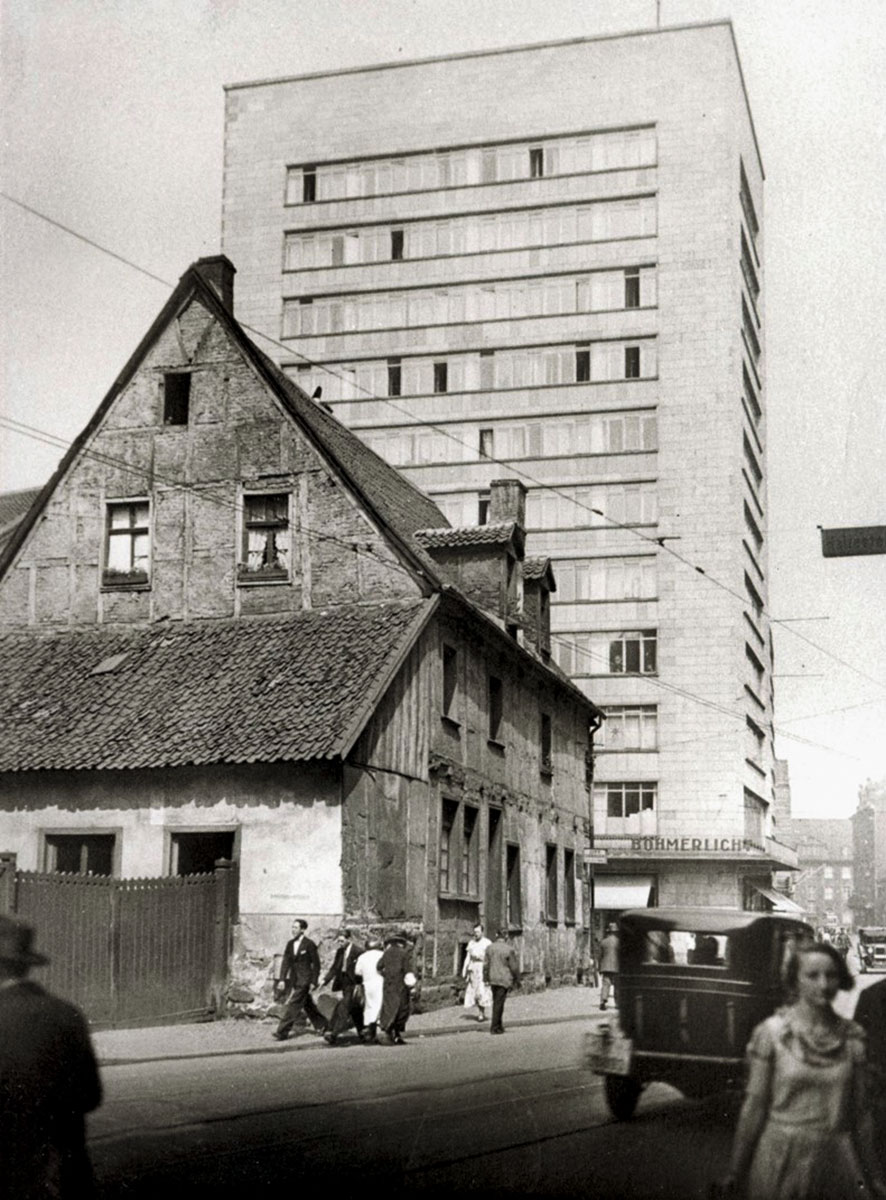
(112, 126)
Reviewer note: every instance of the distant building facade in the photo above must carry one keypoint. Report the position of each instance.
(869, 843)
(825, 882)
(566, 288)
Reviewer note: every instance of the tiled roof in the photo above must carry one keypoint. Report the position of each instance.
(468, 535)
(171, 695)
(13, 506)
(536, 567)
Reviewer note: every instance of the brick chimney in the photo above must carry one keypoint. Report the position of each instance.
(219, 272)
(507, 502)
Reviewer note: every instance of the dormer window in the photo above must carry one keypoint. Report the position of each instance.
(127, 545)
(267, 541)
(176, 397)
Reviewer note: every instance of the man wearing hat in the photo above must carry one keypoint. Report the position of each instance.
(48, 1079)
(609, 965)
(501, 971)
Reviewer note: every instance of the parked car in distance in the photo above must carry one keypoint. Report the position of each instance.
(872, 948)
(692, 984)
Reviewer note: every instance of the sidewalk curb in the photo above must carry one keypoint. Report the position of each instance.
(319, 1044)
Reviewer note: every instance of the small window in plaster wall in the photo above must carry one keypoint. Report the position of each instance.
(79, 853)
(196, 853)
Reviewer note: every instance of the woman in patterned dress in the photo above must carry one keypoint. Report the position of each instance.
(804, 1098)
(477, 992)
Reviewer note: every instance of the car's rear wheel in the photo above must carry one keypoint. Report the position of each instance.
(622, 1094)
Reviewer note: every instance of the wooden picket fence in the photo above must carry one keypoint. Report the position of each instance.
(129, 951)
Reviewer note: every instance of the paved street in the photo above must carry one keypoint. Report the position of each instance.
(453, 1112)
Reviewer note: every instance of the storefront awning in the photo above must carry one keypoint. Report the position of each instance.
(778, 901)
(622, 891)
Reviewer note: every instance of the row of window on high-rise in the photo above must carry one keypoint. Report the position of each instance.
(310, 183)
(596, 433)
(598, 579)
(488, 370)
(478, 233)
(621, 652)
(566, 507)
(454, 305)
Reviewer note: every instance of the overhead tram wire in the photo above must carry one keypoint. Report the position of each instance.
(658, 543)
(207, 496)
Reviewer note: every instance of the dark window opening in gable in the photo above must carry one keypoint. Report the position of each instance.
(395, 377)
(397, 244)
(441, 377)
(80, 853)
(309, 185)
(127, 547)
(483, 502)
(176, 397)
(632, 362)
(536, 162)
(582, 364)
(496, 710)
(267, 537)
(197, 853)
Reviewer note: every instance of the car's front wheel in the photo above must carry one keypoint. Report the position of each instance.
(622, 1094)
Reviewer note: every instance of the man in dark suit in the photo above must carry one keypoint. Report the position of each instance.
(300, 973)
(48, 1080)
(502, 972)
(870, 1012)
(341, 977)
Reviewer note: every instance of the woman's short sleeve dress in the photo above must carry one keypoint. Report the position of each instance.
(806, 1083)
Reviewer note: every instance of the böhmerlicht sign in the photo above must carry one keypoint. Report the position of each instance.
(861, 539)
(694, 845)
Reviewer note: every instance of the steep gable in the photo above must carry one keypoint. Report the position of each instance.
(207, 485)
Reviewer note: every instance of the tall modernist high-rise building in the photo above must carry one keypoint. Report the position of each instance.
(546, 262)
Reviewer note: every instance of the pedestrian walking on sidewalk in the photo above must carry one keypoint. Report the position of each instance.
(804, 1132)
(609, 966)
(501, 972)
(49, 1080)
(870, 1013)
(342, 977)
(395, 968)
(299, 975)
(477, 992)
(366, 970)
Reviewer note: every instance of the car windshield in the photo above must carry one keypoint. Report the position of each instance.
(678, 947)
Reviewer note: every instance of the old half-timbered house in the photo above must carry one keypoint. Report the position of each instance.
(230, 631)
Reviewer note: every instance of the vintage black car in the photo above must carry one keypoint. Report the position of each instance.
(872, 948)
(692, 984)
